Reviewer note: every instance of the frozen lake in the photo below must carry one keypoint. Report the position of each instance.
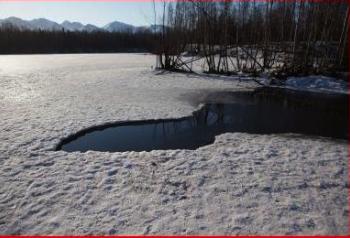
(240, 184)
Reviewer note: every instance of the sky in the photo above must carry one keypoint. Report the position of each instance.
(96, 13)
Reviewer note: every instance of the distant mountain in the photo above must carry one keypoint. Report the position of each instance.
(77, 26)
(156, 28)
(16, 22)
(91, 28)
(72, 26)
(44, 24)
(47, 25)
(117, 26)
(151, 28)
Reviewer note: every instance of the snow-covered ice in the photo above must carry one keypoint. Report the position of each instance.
(318, 83)
(241, 184)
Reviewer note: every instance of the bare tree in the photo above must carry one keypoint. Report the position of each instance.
(288, 37)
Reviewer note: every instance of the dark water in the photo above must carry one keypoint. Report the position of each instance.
(263, 111)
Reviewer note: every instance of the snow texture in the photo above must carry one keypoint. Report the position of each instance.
(241, 184)
(318, 83)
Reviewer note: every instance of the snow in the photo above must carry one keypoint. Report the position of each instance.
(318, 83)
(117, 26)
(241, 184)
(35, 24)
(77, 26)
(15, 21)
(44, 24)
(72, 26)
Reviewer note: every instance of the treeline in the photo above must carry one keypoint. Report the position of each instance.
(255, 36)
(15, 41)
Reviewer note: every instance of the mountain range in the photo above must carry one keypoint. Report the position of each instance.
(47, 25)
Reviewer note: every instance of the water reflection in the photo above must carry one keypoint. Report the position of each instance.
(263, 111)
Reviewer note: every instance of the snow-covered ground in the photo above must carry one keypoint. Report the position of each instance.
(241, 184)
(318, 83)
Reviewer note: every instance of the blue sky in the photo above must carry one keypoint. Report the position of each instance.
(97, 13)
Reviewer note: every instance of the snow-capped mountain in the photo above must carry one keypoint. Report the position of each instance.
(72, 26)
(117, 26)
(91, 28)
(77, 26)
(44, 24)
(47, 25)
(16, 22)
